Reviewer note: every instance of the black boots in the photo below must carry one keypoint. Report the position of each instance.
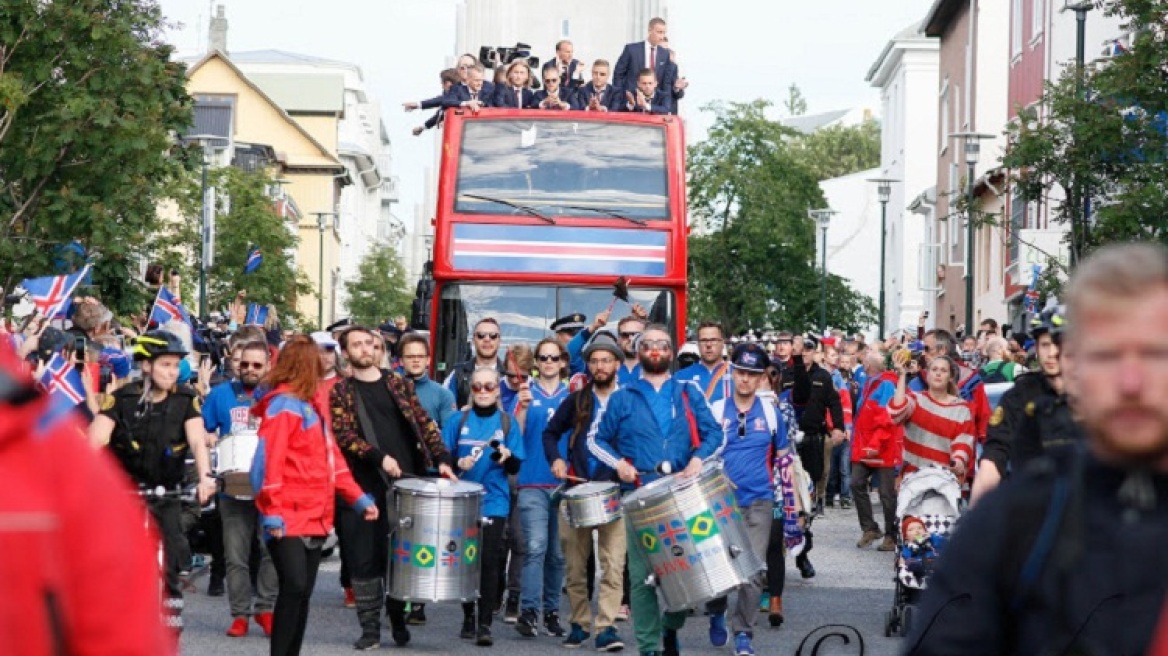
(370, 596)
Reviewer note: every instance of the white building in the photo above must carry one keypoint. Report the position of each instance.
(852, 232)
(906, 73)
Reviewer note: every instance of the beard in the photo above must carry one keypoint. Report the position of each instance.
(363, 363)
(1133, 433)
(658, 364)
(250, 380)
(603, 379)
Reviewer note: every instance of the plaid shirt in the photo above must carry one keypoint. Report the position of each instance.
(347, 426)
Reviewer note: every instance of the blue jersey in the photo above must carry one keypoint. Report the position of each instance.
(536, 471)
(626, 376)
(477, 432)
(751, 442)
(227, 409)
(698, 374)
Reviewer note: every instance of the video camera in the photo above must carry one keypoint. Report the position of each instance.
(502, 56)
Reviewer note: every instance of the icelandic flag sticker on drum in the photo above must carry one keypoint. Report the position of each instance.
(558, 249)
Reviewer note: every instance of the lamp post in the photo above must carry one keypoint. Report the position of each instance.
(321, 225)
(1078, 199)
(972, 142)
(206, 220)
(884, 194)
(822, 217)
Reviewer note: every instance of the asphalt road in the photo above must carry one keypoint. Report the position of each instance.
(852, 587)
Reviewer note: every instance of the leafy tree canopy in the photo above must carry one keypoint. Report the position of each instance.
(380, 291)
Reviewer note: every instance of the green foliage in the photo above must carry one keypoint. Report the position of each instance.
(380, 291)
(796, 103)
(245, 216)
(840, 149)
(89, 100)
(1105, 133)
(752, 252)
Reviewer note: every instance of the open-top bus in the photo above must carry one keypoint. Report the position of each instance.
(540, 212)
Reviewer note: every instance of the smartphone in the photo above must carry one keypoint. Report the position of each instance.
(80, 344)
(925, 314)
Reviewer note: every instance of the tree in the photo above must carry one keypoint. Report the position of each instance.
(840, 149)
(795, 104)
(89, 100)
(752, 252)
(380, 291)
(1103, 137)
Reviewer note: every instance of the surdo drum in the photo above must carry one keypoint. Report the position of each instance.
(592, 504)
(436, 550)
(692, 534)
(233, 457)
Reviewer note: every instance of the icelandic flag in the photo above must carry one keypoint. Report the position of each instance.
(53, 295)
(254, 259)
(168, 308)
(1031, 295)
(257, 315)
(63, 383)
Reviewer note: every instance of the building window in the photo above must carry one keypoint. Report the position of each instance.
(1016, 28)
(1037, 18)
(564, 28)
(1017, 222)
(944, 116)
(955, 218)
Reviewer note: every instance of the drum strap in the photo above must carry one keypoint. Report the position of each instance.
(716, 379)
(694, 440)
(367, 432)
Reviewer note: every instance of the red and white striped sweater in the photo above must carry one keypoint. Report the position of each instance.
(935, 433)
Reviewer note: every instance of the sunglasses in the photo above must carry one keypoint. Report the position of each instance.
(629, 335)
(741, 424)
(483, 387)
(251, 365)
(549, 80)
(655, 345)
(549, 358)
(490, 336)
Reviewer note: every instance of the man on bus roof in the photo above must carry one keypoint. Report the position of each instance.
(647, 98)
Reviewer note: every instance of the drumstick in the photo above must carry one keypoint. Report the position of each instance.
(575, 479)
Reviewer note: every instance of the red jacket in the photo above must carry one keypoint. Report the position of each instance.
(874, 428)
(79, 570)
(298, 468)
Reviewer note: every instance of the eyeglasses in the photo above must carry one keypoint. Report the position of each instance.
(629, 335)
(483, 387)
(549, 358)
(741, 424)
(490, 336)
(597, 362)
(464, 66)
(655, 345)
(549, 80)
(251, 365)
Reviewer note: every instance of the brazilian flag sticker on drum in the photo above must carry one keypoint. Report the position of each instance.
(648, 540)
(423, 556)
(470, 551)
(702, 527)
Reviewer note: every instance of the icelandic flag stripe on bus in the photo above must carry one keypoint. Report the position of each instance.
(554, 249)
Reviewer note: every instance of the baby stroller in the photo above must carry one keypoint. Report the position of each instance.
(929, 495)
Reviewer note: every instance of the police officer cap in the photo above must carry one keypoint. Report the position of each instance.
(343, 323)
(389, 329)
(750, 356)
(604, 341)
(784, 336)
(569, 323)
(810, 342)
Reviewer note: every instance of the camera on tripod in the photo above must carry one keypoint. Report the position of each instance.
(502, 56)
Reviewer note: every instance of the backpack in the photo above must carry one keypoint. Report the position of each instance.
(997, 372)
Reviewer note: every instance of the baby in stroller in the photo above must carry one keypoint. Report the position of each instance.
(927, 506)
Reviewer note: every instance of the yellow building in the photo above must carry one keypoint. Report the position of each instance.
(239, 111)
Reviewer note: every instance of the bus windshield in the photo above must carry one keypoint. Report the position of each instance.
(564, 168)
(525, 312)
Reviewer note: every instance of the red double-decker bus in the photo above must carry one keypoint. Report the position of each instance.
(540, 212)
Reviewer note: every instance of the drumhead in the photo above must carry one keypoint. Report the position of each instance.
(437, 487)
(590, 488)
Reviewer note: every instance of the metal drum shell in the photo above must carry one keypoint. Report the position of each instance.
(436, 546)
(233, 457)
(692, 534)
(590, 504)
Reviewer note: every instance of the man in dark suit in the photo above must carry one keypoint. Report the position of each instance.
(650, 53)
(517, 94)
(473, 95)
(553, 95)
(647, 98)
(449, 79)
(673, 80)
(599, 95)
(571, 70)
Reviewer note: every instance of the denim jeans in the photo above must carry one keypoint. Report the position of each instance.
(543, 560)
(840, 478)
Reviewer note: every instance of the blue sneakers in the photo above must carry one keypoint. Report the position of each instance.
(609, 640)
(718, 633)
(576, 637)
(742, 646)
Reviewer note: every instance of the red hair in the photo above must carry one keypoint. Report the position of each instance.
(298, 367)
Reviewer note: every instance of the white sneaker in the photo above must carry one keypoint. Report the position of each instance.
(622, 615)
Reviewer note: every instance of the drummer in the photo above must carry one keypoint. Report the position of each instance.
(755, 433)
(654, 425)
(468, 436)
(228, 412)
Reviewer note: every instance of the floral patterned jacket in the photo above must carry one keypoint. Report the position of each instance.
(347, 425)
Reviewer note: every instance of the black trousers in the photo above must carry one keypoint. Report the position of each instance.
(776, 560)
(296, 566)
(365, 549)
(492, 549)
(176, 554)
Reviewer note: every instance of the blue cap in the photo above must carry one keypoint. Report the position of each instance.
(750, 356)
(117, 360)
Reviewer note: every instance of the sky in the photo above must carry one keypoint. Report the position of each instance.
(731, 50)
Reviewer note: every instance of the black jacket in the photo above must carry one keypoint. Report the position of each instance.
(815, 390)
(1098, 589)
(564, 421)
(1031, 419)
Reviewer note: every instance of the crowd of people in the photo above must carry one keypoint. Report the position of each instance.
(645, 78)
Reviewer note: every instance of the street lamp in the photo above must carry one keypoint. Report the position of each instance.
(1078, 199)
(972, 154)
(206, 220)
(321, 225)
(822, 217)
(884, 194)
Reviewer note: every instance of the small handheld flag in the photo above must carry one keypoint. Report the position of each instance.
(254, 259)
(53, 295)
(256, 314)
(63, 383)
(167, 308)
